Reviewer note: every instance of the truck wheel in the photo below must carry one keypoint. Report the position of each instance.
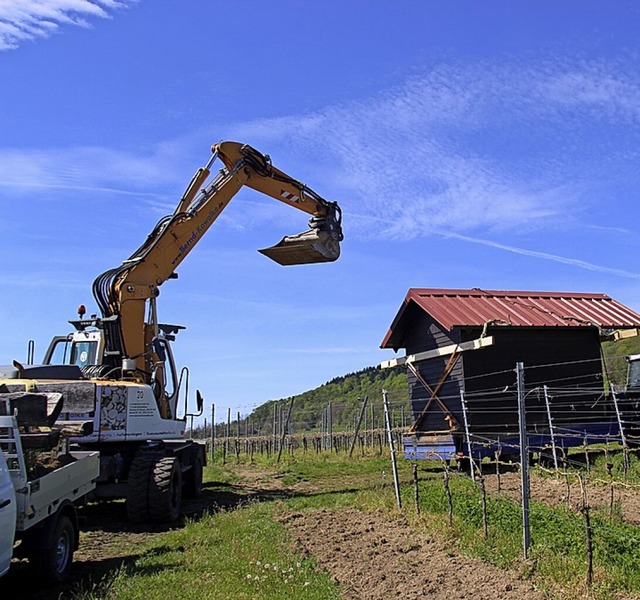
(165, 490)
(138, 483)
(54, 563)
(193, 488)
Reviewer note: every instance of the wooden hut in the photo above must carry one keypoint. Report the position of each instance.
(464, 349)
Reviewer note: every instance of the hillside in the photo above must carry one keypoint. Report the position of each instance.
(338, 402)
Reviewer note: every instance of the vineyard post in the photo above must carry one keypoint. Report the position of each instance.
(551, 432)
(447, 489)
(524, 460)
(284, 429)
(585, 447)
(372, 426)
(623, 437)
(588, 531)
(330, 409)
(466, 433)
(357, 430)
(274, 431)
(213, 430)
(392, 448)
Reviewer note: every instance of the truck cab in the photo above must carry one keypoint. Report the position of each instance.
(8, 509)
(82, 348)
(633, 372)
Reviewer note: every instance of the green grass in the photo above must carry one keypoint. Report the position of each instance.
(245, 553)
(237, 554)
(557, 555)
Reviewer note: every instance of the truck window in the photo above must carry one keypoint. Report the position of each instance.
(634, 374)
(170, 373)
(58, 352)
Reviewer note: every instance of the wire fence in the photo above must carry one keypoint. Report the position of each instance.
(291, 427)
(581, 436)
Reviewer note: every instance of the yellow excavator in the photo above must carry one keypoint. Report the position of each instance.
(112, 384)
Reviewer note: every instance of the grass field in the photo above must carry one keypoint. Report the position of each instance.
(242, 549)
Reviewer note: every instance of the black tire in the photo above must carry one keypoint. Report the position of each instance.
(193, 486)
(165, 490)
(137, 502)
(545, 459)
(54, 564)
(464, 465)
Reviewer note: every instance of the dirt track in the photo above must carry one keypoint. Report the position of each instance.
(372, 555)
(375, 558)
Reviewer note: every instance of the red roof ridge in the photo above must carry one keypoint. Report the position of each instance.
(476, 307)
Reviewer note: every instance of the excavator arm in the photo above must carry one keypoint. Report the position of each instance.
(124, 294)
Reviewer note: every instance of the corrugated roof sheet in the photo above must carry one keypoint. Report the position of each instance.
(475, 307)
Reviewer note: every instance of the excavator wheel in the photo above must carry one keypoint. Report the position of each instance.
(193, 484)
(137, 503)
(165, 490)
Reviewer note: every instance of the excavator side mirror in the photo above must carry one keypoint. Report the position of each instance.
(158, 348)
(199, 401)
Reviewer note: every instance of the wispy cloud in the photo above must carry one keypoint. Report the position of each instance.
(90, 168)
(26, 20)
(480, 147)
(462, 148)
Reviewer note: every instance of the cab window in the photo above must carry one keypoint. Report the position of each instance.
(65, 352)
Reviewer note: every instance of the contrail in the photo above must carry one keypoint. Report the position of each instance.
(544, 255)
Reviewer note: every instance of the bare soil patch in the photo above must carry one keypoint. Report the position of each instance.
(376, 557)
(561, 491)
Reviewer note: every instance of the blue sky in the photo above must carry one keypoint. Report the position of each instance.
(470, 144)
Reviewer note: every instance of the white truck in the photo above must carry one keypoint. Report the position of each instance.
(40, 487)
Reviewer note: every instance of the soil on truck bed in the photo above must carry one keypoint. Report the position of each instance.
(374, 556)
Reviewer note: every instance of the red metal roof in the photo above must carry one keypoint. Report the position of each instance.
(475, 307)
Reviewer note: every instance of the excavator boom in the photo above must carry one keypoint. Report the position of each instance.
(321, 243)
(124, 293)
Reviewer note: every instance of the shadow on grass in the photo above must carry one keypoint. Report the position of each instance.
(87, 576)
(107, 536)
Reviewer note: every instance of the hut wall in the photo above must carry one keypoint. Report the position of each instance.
(565, 360)
(426, 335)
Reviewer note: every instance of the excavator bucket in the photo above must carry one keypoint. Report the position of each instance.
(313, 246)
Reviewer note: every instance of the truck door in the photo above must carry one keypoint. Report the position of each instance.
(8, 511)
